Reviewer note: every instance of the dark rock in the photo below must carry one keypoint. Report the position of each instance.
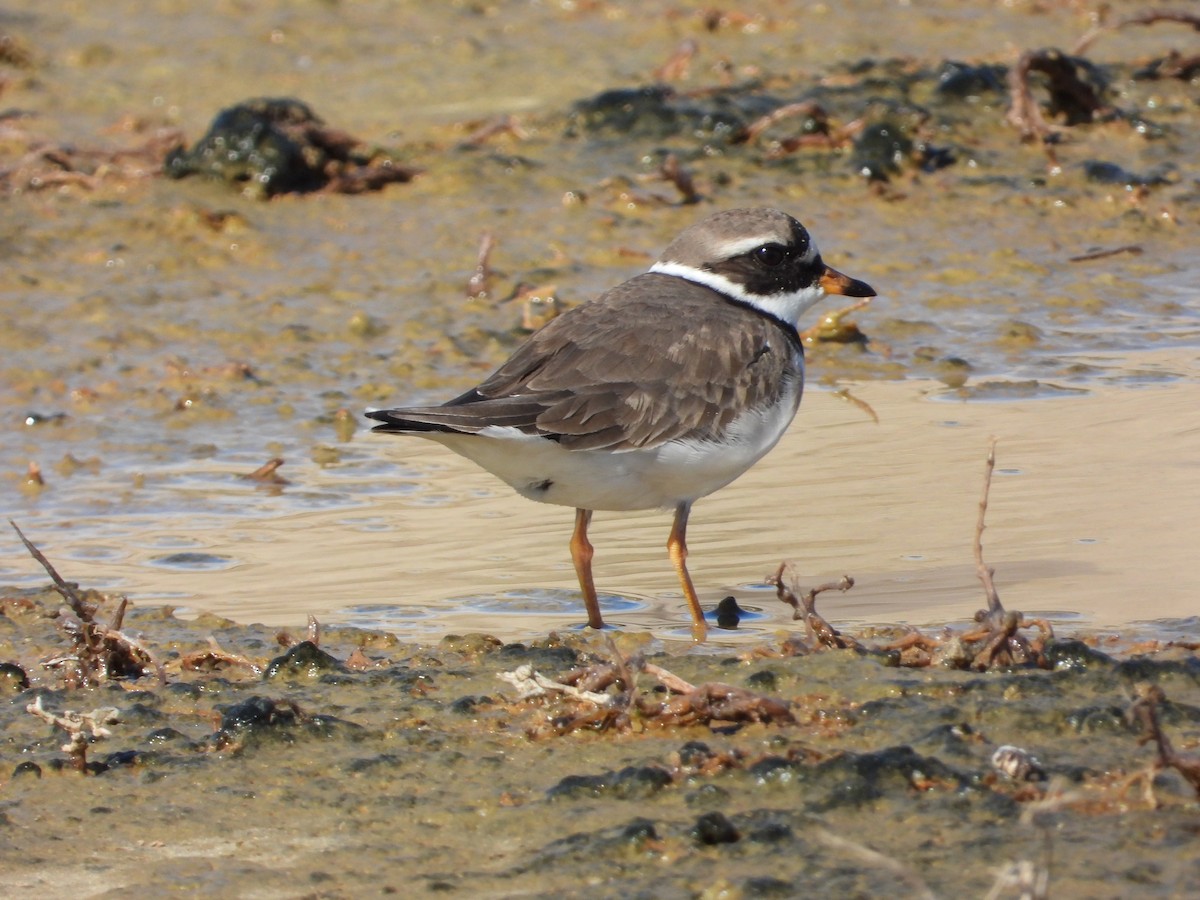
(766, 886)
(370, 763)
(594, 847)
(1093, 719)
(645, 110)
(12, 678)
(539, 657)
(694, 753)
(140, 714)
(1101, 172)
(639, 831)
(184, 690)
(1152, 668)
(774, 769)
(708, 794)
(963, 81)
(881, 150)
(1076, 86)
(763, 680)
(631, 783)
(715, 828)
(1073, 655)
(28, 767)
(469, 705)
(852, 779)
(166, 735)
(770, 833)
(956, 739)
(122, 758)
(304, 660)
(256, 714)
(729, 614)
(658, 112)
(273, 145)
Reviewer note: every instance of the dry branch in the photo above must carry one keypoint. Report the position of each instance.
(99, 652)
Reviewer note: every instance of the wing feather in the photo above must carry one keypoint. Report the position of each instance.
(639, 366)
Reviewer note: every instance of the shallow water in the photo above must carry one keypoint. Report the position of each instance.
(410, 538)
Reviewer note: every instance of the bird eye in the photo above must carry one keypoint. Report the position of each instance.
(771, 255)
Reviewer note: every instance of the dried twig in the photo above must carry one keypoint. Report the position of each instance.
(46, 165)
(1144, 712)
(863, 405)
(806, 108)
(531, 683)
(985, 572)
(685, 704)
(997, 641)
(100, 652)
(509, 124)
(832, 330)
(477, 285)
(1131, 249)
(79, 606)
(669, 680)
(216, 656)
(74, 724)
(33, 475)
(1153, 17)
(267, 473)
(677, 66)
(805, 607)
(881, 861)
(1033, 882)
(1069, 94)
(673, 171)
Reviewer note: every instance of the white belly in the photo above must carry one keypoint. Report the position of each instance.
(657, 477)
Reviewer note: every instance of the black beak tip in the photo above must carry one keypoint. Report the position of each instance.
(858, 288)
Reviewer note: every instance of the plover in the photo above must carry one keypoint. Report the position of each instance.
(658, 392)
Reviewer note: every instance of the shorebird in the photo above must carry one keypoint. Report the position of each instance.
(658, 392)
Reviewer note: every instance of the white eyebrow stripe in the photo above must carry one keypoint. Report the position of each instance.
(746, 244)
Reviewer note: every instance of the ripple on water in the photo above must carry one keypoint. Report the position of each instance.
(1001, 390)
(380, 487)
(543, 601)
(392, 617)
(170, 542)
(752, 623)
(1183, 629)
(534, 604)
(189, 561)
(368, 523)
(93, 553)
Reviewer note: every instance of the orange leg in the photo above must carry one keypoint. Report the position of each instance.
(677, 548)
(581, 555)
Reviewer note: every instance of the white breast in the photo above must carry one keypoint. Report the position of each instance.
(648, 478)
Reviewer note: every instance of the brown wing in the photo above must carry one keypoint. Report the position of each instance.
(625, 371)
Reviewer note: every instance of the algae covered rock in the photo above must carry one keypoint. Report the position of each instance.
(273, 145)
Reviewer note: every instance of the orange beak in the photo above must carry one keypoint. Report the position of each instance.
(834, 282)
